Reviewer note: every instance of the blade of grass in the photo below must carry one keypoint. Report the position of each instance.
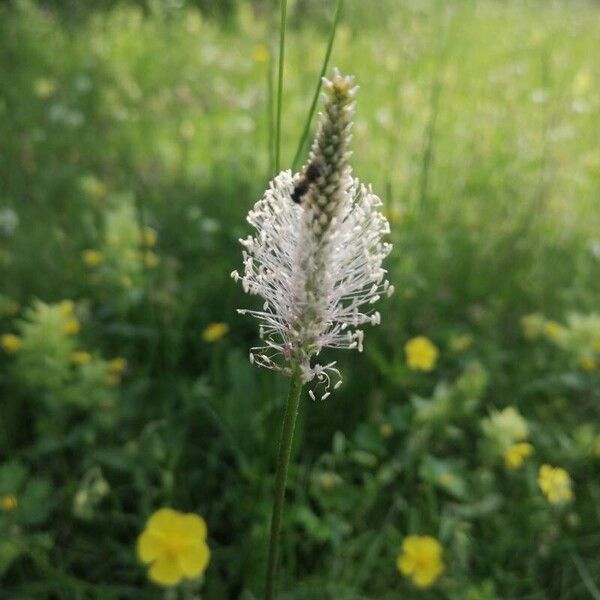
(311, 112)
(586, 578)
(282, 25)
(270, 125)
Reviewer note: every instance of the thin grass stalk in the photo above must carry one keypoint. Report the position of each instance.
(270, 116)
(324, 66)
(283, 460)
(282, 26)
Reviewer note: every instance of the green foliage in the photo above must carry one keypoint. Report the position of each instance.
(132, 145)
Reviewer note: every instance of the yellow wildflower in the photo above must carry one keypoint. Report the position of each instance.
(112, 379)
(596, 346)
(597, 446)
(553, 330)
(72, 327)
(11, 343)
(446, 479)
(327, 481)
(588, 363)
(149, 237)
(214, 332)
(9, 502)
(174, 544)
(81, 357)
(261, 53)
(92, 258)
(151, 260)
(421, 354)
(386, 430)
(515, 456)
(555, 483)
(461, 343)
(421, 560)
(66, 307)
(117, 365)
(532, 325)
(44, 88)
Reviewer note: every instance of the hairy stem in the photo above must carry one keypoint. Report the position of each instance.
(283, 460)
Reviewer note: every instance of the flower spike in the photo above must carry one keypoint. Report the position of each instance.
(316, 257)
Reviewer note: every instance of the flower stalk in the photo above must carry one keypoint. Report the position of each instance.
(316, 261)
(283, 461)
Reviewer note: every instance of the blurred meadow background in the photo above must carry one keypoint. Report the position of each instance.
(135, 136)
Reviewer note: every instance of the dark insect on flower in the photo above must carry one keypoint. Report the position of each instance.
(312, 172)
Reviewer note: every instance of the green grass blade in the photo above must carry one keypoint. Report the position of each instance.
(586, 578)
(282, 26)
(311, 112)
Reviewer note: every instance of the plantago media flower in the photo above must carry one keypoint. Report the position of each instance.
(317, 253)
(11, 343)
(421, 560)
(174, 544)
(515, 456)
(214, 332)
(556, 484)
(421, 354)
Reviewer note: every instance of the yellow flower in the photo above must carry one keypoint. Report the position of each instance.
(92, 258)
(80, 357)
(555, 483)
(386, 430)
(596, 346)
(588, 363)
(11, 343)
(117, 366)
(8, 502)
(327, 481)
(174, 544)
(446, 479)
(462, 342)
(66, 307)
(261, 53)
(112, 379)
(151, 260)
(214, 332)
(516, 455)
(421, 560)
(597, 446)
(421, 354)
(149, 237)
(72, 327)
(553, 329)
(44, 88)
(532, 325)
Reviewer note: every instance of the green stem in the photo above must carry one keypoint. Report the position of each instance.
(282, 26)
(313, 105)
(283, 460)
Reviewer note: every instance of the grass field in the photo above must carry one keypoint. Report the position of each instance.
(132, 144)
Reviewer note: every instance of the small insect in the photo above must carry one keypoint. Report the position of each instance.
(312, 172)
